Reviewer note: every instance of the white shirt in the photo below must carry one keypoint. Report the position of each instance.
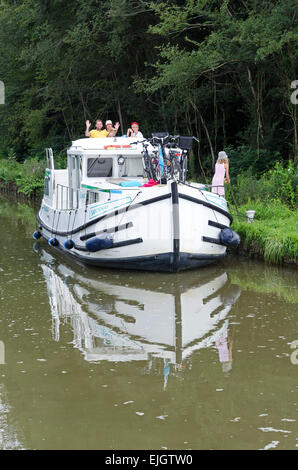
(139, 135)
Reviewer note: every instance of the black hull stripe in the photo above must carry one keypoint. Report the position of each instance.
(207, 257)
(156, 263)
(107, 216)
(217, 225)
(133, 241)
(207, 204)
(176, 234)
(118, 228)
(216, 241)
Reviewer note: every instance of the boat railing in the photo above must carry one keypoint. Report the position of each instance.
(92, 197)
(67, 198)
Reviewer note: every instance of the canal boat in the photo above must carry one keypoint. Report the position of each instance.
(104, 210)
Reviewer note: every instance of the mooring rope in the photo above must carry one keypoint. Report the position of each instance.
(210, 186)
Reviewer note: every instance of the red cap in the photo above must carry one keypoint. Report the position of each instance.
(134, 123)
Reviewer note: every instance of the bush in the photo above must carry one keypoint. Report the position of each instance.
(246, 159)
(27, 176)
(277, 184)
(31, 178)
(9, 170)
(280, 184)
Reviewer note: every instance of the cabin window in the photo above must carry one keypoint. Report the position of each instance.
(92, 197)
(99, 167)
(74, 171)
(132, 167)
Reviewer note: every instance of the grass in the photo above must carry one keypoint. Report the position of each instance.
(272, 235)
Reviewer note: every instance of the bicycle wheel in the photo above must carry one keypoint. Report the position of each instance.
(158, 175)
(175, 170)
(153, 166)
(147, 165)
(168, 170)
(184, 169)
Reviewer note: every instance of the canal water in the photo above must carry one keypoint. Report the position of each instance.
(100, 359)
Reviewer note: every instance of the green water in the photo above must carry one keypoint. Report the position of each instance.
(98, 359)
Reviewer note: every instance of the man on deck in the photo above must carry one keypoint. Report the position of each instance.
(98, 131)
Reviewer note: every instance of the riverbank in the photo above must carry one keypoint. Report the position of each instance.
(271, 236)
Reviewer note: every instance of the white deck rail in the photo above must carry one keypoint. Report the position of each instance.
(67, 198)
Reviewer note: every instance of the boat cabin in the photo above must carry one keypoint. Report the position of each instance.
(118, 157)
(93, 165)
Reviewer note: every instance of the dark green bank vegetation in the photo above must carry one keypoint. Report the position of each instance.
(27, 176)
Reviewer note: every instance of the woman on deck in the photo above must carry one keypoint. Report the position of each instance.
(134, 131)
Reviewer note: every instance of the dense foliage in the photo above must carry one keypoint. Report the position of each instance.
(218, 69)
(277, 184)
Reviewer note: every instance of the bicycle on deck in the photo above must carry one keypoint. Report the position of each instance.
(173, 151)
(149, 162)
(168, 158)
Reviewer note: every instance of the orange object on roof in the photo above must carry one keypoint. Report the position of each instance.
(112, 147)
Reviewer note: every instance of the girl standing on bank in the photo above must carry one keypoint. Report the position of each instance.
(221, 174)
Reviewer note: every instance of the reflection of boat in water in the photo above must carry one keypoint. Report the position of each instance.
(9, 439)
(116, 317)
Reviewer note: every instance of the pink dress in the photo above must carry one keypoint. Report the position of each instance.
(218, 179)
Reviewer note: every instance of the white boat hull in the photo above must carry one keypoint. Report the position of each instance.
(164, 228)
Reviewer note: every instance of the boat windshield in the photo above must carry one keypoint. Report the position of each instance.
(132, 167)
(99, 167)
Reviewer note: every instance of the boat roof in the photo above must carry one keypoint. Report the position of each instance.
(107, 143)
